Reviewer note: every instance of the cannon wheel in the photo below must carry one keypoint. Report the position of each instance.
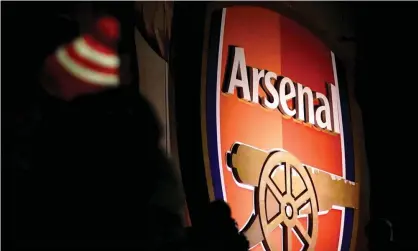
(286, 217)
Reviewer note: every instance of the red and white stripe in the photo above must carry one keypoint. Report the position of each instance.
(90, 61)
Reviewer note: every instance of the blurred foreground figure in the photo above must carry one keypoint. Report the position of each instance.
(98, 177)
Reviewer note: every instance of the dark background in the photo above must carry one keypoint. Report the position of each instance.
(386, 91)
(386, 71)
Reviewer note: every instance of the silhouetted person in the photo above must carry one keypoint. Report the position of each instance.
(96, 170)
(380, 235)
(95, 175)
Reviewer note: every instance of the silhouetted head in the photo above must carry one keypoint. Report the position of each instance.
(222, 230)
(379, 233)
(220, 208)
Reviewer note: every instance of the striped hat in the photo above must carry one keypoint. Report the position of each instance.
(88, 64)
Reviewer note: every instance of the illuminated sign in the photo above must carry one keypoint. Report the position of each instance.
(279, 91)
(276, 132)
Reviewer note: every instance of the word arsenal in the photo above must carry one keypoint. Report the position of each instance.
(281, 90)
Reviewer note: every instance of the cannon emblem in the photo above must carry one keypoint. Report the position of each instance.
(298, 191)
